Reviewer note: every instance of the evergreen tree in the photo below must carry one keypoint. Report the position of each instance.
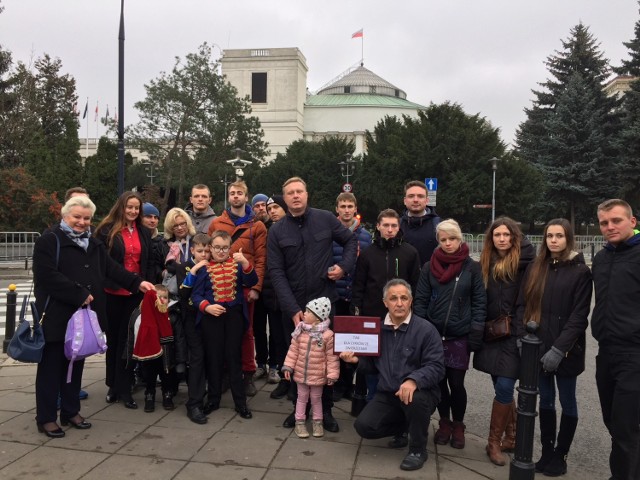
(552, 141)
(629, 139)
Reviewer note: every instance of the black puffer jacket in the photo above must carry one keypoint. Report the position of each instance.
(566, 303)
(421, 233)
(501, 358)
(381, 262)
(468, 306)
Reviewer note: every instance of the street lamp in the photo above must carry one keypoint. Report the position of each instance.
(239, 164)
(494, 166)
(148, 167)
(347, 166)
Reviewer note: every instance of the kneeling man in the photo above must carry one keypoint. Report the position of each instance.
(410, 367)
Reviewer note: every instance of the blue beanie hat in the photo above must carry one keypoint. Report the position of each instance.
(150, 209)
(260, 197)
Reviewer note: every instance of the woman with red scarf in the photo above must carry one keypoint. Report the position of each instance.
(451, 295)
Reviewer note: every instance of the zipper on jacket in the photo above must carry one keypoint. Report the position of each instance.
(446, 320)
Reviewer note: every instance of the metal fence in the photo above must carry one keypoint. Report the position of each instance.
(588, 245)
(17, 246)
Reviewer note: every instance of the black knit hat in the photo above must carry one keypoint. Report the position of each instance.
(279, 199)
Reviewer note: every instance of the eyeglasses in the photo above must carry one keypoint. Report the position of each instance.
(180, 225)
(219, 249)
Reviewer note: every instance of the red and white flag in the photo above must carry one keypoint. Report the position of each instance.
(95, 118)
(358, 34)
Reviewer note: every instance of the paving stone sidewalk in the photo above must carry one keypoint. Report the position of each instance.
(166, 445)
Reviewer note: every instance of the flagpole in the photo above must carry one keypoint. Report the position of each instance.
(96, 117)
(362, 49)
(86, 143)
(121, 101)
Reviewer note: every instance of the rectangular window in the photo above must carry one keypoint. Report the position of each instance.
(259, 87)
(347, 89)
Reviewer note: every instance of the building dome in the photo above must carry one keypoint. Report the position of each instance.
(362, 81)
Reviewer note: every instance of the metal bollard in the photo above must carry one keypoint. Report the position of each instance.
(522, 466)
(10, 323)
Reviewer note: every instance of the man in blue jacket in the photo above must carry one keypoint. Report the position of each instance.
(410, 368)
(301, 266)
(614, 324)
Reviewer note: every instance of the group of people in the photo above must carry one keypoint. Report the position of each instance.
(277, 262)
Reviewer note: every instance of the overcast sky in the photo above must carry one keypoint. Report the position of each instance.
(486, 55)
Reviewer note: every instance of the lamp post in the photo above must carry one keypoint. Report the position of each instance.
(239, 164)
(347, 168)
(494, 166)
(148, 167)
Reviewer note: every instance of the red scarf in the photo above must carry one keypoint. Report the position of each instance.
(446, 266)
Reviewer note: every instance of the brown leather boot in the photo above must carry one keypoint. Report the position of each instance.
(509, 439)
(500, 414)
(457, 435)
(443, 434)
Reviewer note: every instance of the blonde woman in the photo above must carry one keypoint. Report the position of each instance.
(451, 295)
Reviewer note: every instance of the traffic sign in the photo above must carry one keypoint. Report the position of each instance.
(432, 184)
(347, 187)
(432, 196)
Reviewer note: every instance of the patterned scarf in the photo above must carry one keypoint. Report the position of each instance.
(80, 238)
(446, 266)
(315, 331)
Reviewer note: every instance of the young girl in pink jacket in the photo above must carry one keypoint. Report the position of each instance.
(312, 362)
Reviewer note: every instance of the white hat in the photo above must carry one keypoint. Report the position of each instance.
(321, 307)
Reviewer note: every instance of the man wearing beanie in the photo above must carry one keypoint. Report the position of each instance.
(276, 208)
(301, 266)
(259, 207)
(150, 218)
(249, 235)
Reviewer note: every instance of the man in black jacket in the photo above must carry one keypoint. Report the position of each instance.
(410, 367)
(300, 263)
(614, 324)
(419, 221)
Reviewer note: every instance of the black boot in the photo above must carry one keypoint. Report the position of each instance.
(149, 401)
(558, 464)
(281, 390)
(547, 438)
(167, 401)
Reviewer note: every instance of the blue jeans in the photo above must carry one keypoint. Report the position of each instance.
(504, 387)
(566, 392)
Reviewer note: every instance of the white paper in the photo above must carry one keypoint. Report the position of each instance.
(356, 342)
(369, 325)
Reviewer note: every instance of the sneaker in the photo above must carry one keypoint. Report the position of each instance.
(273, 376)
(318, 429)
(301, 429)
(261, 372)
(83, 395)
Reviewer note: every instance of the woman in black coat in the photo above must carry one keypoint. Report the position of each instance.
(557, 295)
(450, 294)
(129, 244)
(504, 259)
(69, 271)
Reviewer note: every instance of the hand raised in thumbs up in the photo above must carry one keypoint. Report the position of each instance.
(238, 257)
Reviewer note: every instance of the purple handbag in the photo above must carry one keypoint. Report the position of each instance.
(84, 337)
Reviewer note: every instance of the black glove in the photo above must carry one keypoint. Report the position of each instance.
(551, 360)
(475, 339)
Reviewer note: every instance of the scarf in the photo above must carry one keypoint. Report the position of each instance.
(248, 215)
(80, 238)
(315, 331)
(445, 266)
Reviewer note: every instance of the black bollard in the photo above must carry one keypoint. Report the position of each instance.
(522, 466)
(10, 322)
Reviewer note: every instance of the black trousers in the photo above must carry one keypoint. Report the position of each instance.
(119, 308)
(618, 381)
(51, 381)
(386, 415)
(222, 337)
(270, 349)
(151, 369)
(195, 354)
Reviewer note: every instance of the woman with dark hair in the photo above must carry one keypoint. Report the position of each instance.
(450, 294)
(129, 244)
(504, 259)
(69, 271)
(557, 296)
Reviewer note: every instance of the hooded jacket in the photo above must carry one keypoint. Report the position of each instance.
(252, 240)
(566, 302)
(421, 233)
(616, 276)
(344, 286)
(383, 261)
(311, 362)
(201, 221)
